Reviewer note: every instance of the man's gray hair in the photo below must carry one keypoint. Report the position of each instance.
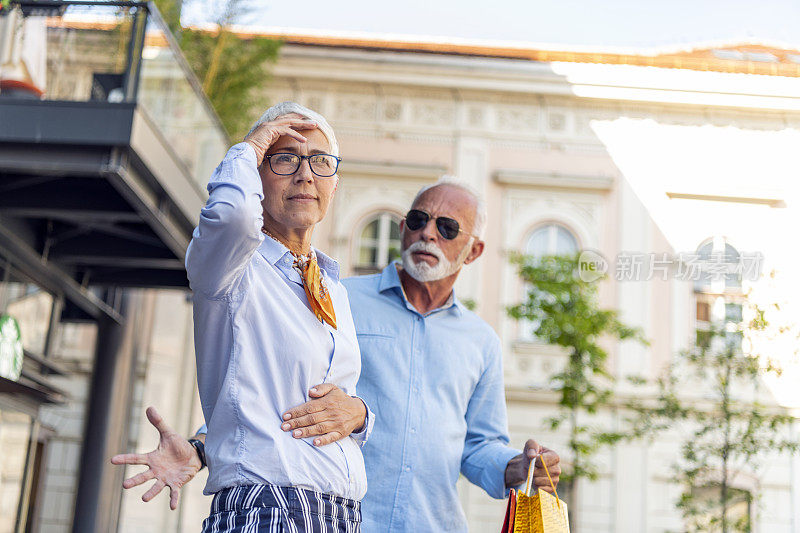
(286, 108)
(480, 206)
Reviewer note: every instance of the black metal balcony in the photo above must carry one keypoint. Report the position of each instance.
(106, 141)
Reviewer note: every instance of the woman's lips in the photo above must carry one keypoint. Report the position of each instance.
(303, 198)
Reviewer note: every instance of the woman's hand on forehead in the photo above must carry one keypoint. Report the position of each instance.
(267, 133)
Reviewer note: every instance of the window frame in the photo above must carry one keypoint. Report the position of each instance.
(524, 327)
(381, 242)
(554, 224)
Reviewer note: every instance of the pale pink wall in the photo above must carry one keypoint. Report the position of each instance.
(388, 150)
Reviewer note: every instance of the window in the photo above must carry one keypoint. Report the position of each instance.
(731, 55)
(719, 270)
(718, 294)
(551, 239)
(707, 498)
(379, 243)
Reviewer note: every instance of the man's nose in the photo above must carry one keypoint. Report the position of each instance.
(303, 172)
(429, 231)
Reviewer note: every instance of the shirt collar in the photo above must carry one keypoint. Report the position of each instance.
(390, 279)
(328, 264)
(274, 251)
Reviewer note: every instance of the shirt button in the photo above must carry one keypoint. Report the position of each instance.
(408, 469)
(413, 430)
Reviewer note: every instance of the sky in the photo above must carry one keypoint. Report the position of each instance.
(598, 23)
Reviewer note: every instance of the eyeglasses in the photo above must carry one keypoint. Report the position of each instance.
(448, 227)
(286, 164)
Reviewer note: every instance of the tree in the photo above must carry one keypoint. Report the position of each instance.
(565, 311)
(232, 69)
(170, 11)
(729, 428)
(233, 73)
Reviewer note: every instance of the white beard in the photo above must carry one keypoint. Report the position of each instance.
(422, 271)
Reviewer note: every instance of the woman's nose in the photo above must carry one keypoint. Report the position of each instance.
(303, 172)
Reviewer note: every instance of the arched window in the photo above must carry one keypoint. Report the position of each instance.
(717, 287)
(706, 499)
(378, 243)
(719, 272)
(551, 239)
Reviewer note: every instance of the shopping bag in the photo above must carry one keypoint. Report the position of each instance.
(537, 512)
(511, 508)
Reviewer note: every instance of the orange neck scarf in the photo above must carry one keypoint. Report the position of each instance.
(318, 296)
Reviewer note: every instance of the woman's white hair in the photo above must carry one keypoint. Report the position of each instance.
(480, 206)
(287, 108)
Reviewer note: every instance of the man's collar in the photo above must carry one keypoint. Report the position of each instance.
(390, 279)
(274, 251)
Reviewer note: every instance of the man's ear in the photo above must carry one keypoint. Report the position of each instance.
(475, 251)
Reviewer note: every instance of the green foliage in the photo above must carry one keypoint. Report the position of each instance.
(232, 70)
(235, 87)
(729, 430)
(470, 304)
(565, 312)
(171, 13)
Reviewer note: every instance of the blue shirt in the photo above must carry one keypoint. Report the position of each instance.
(435, 384)
(260, 348)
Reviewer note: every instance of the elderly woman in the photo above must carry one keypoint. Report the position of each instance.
(272, 328)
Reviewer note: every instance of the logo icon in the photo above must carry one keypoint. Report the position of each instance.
(591, 266)
(10, 348)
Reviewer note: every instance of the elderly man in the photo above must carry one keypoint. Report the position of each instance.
(432, 374)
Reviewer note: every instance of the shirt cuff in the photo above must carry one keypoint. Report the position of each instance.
(504, 459)
(369, 421)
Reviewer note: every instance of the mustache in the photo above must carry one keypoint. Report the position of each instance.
(427, 247)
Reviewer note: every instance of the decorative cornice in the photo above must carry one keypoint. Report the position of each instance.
(565, 181)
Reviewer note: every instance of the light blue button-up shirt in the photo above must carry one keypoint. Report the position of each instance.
(260, 348)
(435, 384)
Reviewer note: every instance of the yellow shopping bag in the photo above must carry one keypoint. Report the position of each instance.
(541, 512)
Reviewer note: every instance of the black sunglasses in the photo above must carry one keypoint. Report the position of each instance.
(448, 227)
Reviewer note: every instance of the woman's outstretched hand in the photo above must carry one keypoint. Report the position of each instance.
(172, 464)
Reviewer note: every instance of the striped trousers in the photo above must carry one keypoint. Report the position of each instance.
(273, 509)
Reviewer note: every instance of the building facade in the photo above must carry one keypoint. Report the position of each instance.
(631, 155)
